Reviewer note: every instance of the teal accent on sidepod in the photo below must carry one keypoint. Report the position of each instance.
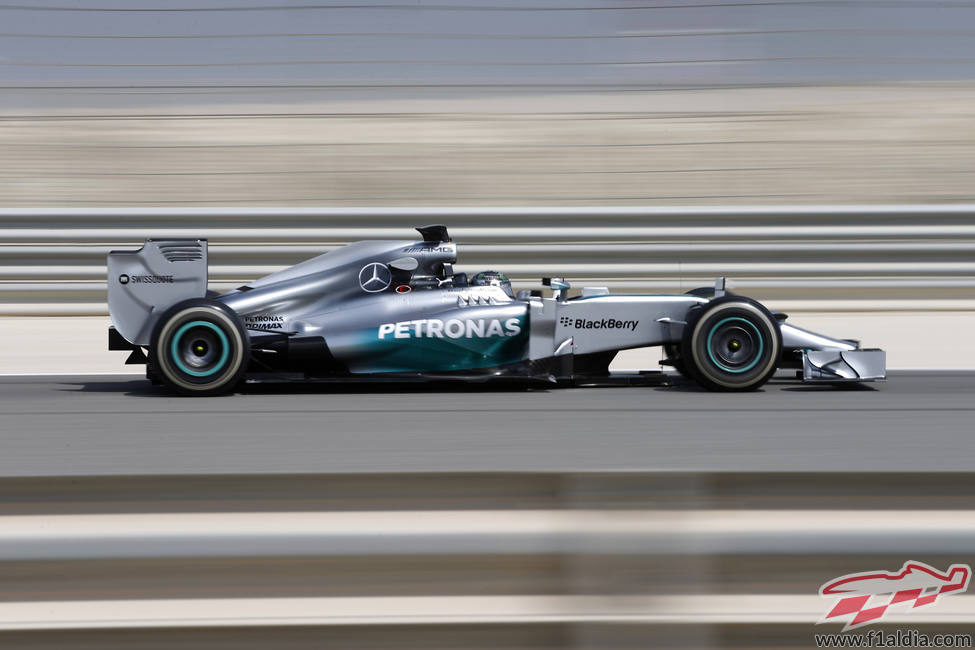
(425, 354)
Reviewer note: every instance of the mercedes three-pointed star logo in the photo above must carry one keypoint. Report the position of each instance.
(375, 277)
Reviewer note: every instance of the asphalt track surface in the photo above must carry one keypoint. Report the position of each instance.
(119, 425)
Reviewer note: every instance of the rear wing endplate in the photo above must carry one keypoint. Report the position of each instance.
(144, 283)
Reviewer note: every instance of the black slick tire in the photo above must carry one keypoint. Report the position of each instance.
(732, 343)
(199, 347)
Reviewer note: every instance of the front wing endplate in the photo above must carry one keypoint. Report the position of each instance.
(832, 366)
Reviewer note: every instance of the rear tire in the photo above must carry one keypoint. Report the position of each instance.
(731, 344)
(199, 347)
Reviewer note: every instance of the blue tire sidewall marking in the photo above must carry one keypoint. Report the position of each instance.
(761, 345)
(224, 353)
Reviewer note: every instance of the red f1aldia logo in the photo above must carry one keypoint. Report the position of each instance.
(915, 585)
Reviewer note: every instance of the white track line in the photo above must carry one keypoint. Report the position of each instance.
(434, 610)
(35, 537)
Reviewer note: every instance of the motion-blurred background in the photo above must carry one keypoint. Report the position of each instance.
(723, 126)
(333, 106)
(468, 102)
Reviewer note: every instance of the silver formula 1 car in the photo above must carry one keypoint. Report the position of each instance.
(397, 310)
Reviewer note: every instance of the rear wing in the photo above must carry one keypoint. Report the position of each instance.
(144, 283)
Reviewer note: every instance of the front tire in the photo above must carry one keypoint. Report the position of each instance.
(731, 344)
(199, 347)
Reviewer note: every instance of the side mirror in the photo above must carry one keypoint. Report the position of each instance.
(556, 283)
(559, 286)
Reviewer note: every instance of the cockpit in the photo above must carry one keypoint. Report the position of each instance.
(430, 265)
(493, 279)
(408, 272)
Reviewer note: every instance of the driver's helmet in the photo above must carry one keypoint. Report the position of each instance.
(493, 279)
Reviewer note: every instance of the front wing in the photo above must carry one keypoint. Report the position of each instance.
(841, 366)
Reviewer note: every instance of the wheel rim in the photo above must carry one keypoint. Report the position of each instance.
(200, 349)
(735, 345)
